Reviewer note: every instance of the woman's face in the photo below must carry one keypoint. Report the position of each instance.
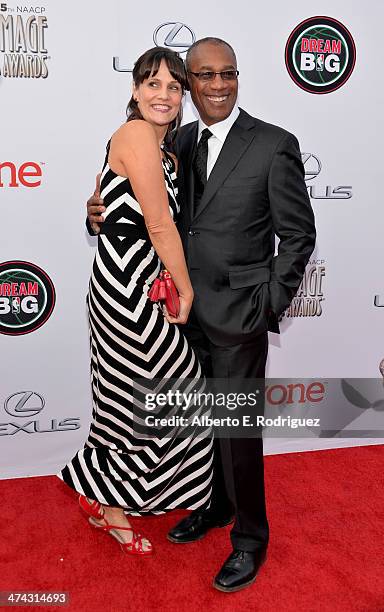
(159, 97)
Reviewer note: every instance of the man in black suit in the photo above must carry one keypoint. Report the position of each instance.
(242, 183)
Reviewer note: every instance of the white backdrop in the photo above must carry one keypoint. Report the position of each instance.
(62, 123)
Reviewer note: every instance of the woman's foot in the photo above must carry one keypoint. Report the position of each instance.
(91, 507)
(112, 519)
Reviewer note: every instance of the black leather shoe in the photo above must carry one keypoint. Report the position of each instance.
(195, 526)
(239, 570)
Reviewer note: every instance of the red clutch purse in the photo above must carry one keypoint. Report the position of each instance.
(164, 290)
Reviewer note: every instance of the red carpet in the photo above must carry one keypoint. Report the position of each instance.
(326, 552)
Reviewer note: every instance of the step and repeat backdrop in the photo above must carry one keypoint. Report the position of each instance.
(313, 68)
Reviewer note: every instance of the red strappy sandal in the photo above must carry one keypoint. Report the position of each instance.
(92, 508)
(134, 547)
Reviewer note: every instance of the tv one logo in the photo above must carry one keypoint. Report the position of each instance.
(294, 393)
(26, 405)
(27, 174)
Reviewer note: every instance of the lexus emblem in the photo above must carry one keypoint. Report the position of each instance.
(175, 35)
(312, 165)
(24, 404)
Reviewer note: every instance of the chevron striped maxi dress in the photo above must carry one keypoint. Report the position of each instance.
(130, 339)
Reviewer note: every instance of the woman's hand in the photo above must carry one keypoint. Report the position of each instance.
(185, 308)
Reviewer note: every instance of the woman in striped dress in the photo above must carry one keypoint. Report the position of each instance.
(119, 471)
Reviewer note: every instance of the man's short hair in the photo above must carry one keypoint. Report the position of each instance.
(211, 40)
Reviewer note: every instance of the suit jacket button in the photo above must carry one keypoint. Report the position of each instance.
(191, 233)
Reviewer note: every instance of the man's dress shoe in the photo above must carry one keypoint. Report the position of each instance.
(239, 570)
(195, 526)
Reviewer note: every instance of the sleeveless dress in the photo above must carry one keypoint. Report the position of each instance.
(130, 339)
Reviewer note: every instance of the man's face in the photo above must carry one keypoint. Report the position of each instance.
(215, 99)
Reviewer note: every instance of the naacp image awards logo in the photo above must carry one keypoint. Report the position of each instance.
(320, 55)
(23, 44)
(308, 301)
(27, 297)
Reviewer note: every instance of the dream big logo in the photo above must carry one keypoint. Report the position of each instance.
(27, 297)
(320, 55)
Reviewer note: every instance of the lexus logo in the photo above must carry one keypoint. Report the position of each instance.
(312, 165)
(312, 168)
(24, 404)
(175, 35)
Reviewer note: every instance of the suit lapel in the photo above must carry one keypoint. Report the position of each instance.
(187, 153)
(237, 142)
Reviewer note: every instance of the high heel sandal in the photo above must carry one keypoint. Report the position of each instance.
(134, 547)
(92, 508)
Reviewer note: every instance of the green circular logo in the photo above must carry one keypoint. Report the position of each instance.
(320, 55)
(27, 297)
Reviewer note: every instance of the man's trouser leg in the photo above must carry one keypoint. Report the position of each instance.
(241, 458)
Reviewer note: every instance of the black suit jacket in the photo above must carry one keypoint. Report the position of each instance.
(255, 190)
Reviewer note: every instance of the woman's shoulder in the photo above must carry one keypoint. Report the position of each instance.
(135, 129)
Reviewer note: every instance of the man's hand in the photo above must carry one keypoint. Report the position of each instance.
(95, 208)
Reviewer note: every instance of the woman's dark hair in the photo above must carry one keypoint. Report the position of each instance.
(148, 64)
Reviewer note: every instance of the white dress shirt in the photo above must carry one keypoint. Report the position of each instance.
(219, 133)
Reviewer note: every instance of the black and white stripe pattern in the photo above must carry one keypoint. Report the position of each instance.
(131, 340)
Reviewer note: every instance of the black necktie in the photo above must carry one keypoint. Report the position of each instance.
(200, 161)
